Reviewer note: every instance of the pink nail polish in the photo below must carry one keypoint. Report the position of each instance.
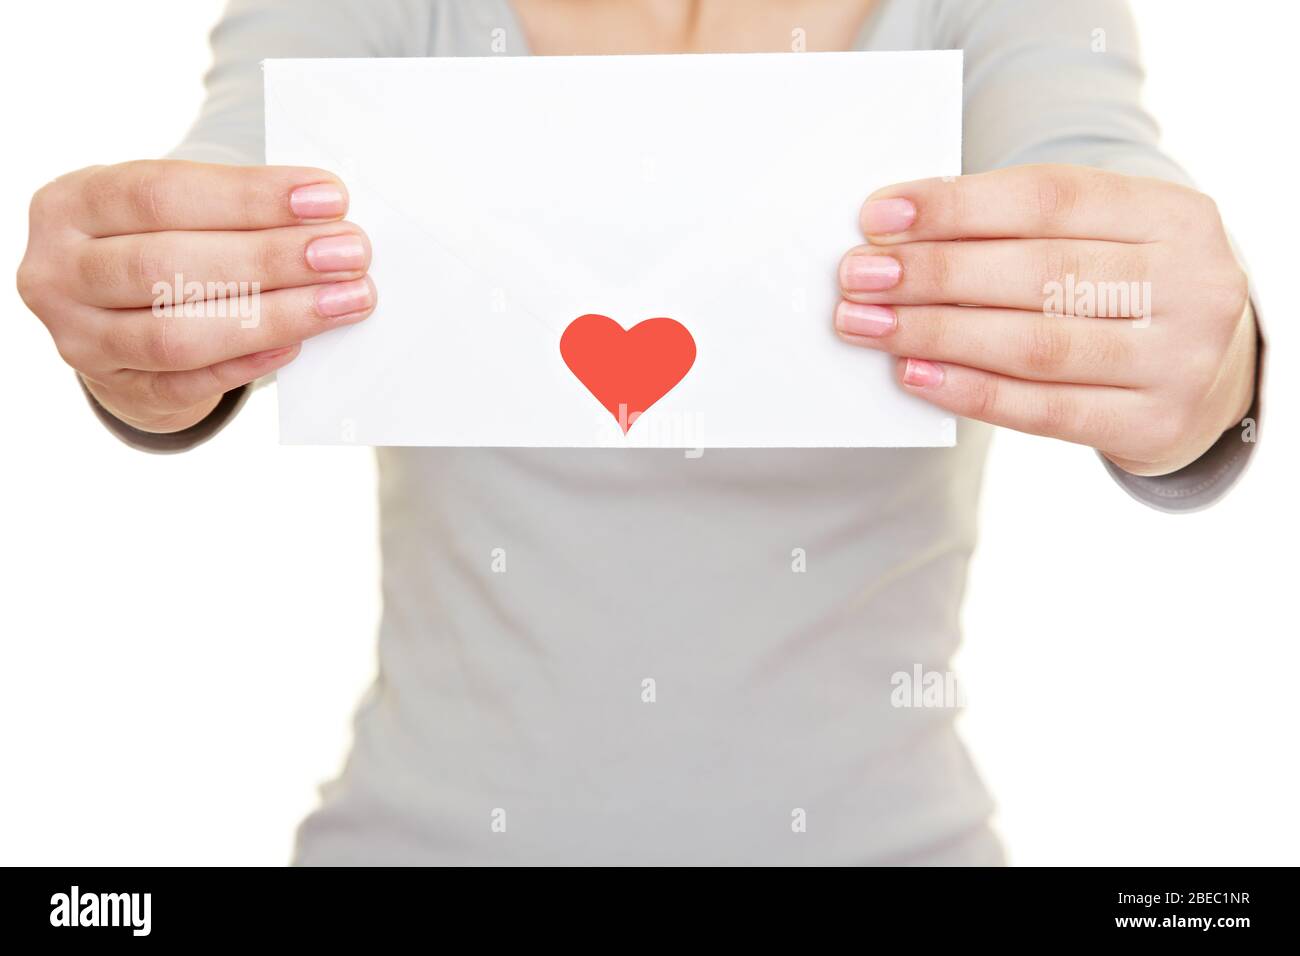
(884, 217)
(922, 374)
(344, 298)
(318, 201)
(337, 253)
(861, 273)
(871, 320)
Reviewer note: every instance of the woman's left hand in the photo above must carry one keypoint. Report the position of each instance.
(1065, 301)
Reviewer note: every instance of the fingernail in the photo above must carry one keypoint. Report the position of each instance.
(344, 298)
(922, 374)
(271, 355)
(883, 217)
(872, 320)
(870, 273)
(337, 253)
(318, 201)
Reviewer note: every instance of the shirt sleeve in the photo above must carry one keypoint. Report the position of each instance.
(230, 126)
(1061, 82)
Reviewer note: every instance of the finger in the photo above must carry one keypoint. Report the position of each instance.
(1088, 414)
(1027, 345)
(172, 391)
(1071, 276)
(159, 195)
(121, 272)
(1029, 202)
(202, 334)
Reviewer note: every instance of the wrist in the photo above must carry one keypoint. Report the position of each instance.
(156, 424)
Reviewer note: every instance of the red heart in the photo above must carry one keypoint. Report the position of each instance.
(627, 370)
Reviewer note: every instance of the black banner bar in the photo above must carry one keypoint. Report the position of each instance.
(1225, 907)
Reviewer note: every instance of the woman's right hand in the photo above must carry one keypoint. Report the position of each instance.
(109, 245)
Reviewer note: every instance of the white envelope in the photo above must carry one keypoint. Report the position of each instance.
(507, 197)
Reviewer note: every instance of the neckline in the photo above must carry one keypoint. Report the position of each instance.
(515, 28)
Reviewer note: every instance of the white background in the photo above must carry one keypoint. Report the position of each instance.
(183, 639)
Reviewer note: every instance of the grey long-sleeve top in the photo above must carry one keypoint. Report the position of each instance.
(509, 720)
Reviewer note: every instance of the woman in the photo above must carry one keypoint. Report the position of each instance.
(692, 660)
